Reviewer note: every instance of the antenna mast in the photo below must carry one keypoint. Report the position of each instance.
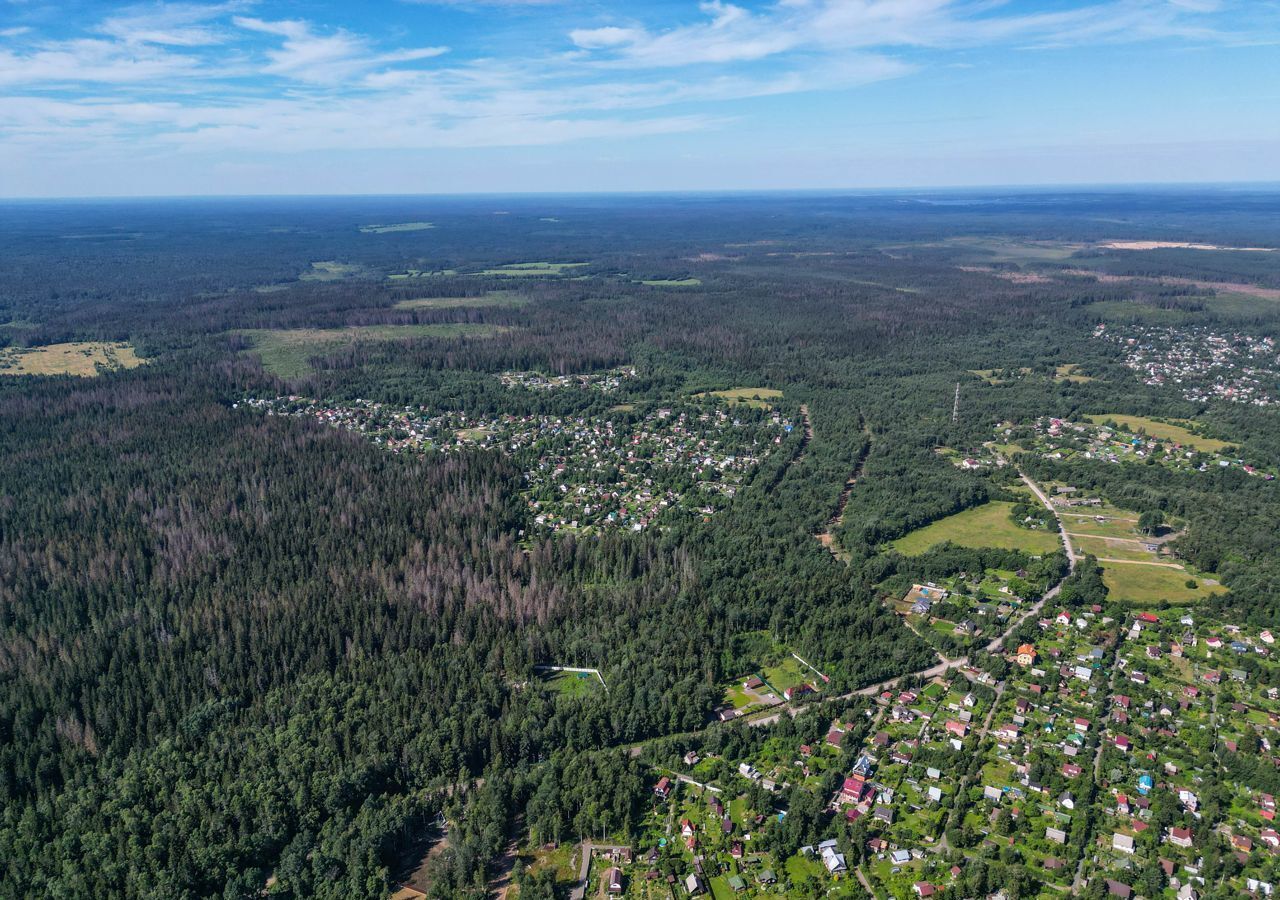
(955, 409)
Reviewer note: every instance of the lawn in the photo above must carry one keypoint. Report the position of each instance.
(492, 298)
(530, 269)
(988, 525)
(1172, 431)
(756, 397)
(287, 352)
(1137, 583)
(399, 226)
(83, 358)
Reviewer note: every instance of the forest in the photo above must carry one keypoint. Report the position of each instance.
(242, 651)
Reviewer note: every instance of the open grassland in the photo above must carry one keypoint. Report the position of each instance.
(531, 269)
(398, 227)
(420, 273)
(492, 298)
(330, 270)
(756, 397)
(1170, 431)
(82, 358)
(1138, 583)
(672, 282)
(287, 352)
(988, 525)
(1069, 372)
(1003, 250)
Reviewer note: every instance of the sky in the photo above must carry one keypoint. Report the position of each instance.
(461, 96)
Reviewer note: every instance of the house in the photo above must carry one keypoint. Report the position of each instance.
(1057, 835)
(1119, 889)
(855, 789)
(1081, 725)
(686, 828)
(1270, 837)
(1122, 842)
(736, 882)
(835, 738)
(924, 889)
(753, 683)
(1122, 743)
(1025, 655)
(694, 885)
(1071, 770)
(798, 690)
(691, 758)
(833, 861)
(959, 729)
(767, 877)
(1241, 843)
(1180, 837)
(663, 787)
(1148, 618)
(612, 880)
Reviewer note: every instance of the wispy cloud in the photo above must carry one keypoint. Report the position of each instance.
(188, 77)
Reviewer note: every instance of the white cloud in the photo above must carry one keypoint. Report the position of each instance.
(170, 24)
(308, 56)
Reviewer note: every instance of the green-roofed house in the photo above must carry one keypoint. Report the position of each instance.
(736, 882)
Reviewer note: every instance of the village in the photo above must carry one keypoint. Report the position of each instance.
(1108, 752)
(622, 470)
(1110, 442)
(1203, 364)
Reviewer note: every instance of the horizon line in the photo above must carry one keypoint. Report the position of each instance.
(1028, 187)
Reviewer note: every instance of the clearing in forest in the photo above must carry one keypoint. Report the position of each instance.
(392, 229)
(530, 269)
(572, 684)
(672, 282)
(988, 525)
(1178, 245)
(756, 397)
(82, 358)
(330, 270)
(287, 352)
(490, 298)
(1171, 430)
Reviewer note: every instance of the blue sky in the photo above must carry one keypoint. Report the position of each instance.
(445, 96)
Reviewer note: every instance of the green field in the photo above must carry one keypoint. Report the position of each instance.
(392, 229)
(988, 525)
(492, 298)
(672, 282)
(420, 273)
(756, 397)
(1137, 583)
(287, 352)
(1170, 431)
(83, 358)
(531, 269)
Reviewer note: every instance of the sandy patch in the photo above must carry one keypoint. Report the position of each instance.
(1174, 245)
